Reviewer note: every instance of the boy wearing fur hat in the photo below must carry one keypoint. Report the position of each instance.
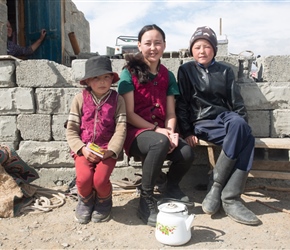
(97, 115)
(210, 107)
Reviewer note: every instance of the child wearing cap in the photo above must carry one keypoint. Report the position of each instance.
(210, 107)
(97, 116)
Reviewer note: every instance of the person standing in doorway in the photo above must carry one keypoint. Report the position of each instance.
(16, 50)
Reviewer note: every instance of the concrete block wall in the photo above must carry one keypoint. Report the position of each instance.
(36, 96)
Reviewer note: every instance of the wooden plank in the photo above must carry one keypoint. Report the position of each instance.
(271, 165)
(275, 143)
(205, 143)
(261, 168)
(270, 174)
(211, 158)
(21, 23)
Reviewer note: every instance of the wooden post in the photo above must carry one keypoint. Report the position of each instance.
(74, 42)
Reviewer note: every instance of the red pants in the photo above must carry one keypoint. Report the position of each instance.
(90, 176)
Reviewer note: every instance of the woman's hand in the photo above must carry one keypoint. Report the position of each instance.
(171, 147)
(91, 157)
(192, 140)
(164, 131)
(167, 133)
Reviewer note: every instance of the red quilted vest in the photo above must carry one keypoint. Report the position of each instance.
(104, 113)
(149, 103)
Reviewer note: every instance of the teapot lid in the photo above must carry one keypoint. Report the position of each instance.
(172, 207)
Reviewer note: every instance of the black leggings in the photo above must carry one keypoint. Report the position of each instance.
(152, 148)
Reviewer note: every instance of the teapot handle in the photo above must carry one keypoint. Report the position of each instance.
(185, 211)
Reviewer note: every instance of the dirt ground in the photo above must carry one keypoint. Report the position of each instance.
(58, 230)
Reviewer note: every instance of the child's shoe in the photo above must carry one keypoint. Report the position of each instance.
(84, 209)
(102, 209)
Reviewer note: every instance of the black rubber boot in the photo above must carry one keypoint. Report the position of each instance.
(221, 173)
(147, 210)
(232, 203)
(84, 208)
(102, 209)
(173, 191)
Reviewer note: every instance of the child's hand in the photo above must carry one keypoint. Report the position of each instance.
(107, 153)
(90, 156)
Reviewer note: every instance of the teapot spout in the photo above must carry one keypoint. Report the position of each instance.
(189, 221)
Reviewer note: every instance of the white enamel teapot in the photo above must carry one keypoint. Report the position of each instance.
(173, 225)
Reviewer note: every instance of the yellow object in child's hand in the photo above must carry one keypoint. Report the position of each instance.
(95, 149)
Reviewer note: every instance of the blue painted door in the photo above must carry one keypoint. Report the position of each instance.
(44, 14)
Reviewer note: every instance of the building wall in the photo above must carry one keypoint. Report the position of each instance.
(73, 21)
(3, 27)
(36, 96)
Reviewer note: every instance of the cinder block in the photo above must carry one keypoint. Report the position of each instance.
(24, 100)
(280, 126)
(7, 73)
(43, 73)
(16, 101)
(50, 177)
(6, 97)
(8, 129)
(260, 122)
(46, 154)
(54, 101)
(266, 96)
(172, 64)
(275, 68)
(118, 64)
(78, 69)
(57, 126)
(34, 127)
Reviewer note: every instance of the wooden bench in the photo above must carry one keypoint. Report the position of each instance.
(262, 168)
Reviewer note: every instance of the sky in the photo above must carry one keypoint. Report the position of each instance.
(258, 26)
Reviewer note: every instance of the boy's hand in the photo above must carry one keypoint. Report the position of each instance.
(192, 140)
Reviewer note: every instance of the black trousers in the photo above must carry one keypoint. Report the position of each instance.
(152, 148)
